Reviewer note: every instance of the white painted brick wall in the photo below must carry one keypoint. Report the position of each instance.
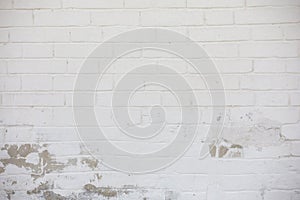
(254, 44)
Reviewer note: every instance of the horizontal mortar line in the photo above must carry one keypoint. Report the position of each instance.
(154, 8)
(108, 171)
(237, 89)
(97, 41)
(137, 26)
(147, 106)
(220, 42)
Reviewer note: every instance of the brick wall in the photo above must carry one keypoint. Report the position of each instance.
(253, 43)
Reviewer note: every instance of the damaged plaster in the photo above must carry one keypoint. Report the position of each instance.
(259, 134)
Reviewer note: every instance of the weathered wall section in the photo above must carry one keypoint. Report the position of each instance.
(255, 45)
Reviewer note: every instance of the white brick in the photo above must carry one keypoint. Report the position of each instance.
(61, 18)
(269, 65)
(239, 98)
(32, 99)
(36, 82)
(4, 35)
(37, 50)
(10, 83)
(272, 99)
(291, 132)
(36, 66)
(215, 3)
(267, 15)
(172, 18)
(86, 34)
(219, 34)
(92, 4)
(154, 4)
(277, 114)
(291, 32)
(4, 4)
(272, 3)
(218, 17)
(37, 4)
(3, 67)
(74, 65)
(269, 82)
(267, 33)
(25, 116)
(230, 82)
(73, 50)
(115, 17)
(16, 18)
(62, 82)
(269, 49)
(295, 98)
(39, 35)
(11, 51)
(233, 65)
(281, 194)
(221, 50)
(293, 65)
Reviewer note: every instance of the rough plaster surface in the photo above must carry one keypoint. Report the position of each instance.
(254, 44)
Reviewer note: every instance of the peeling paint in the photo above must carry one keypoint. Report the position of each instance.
(92, 163)
(41, 187)
(9, 193)
(226, 150)
(104, 191)
(222, 151)
(262, 133)
(49, 195)
(2, 170)
(18, 156)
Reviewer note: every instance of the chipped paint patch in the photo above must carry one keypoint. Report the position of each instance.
(235, 138)
(226, 150)
(91, 163)
(18, 157)
(263, 133)
(104, 191)
(41, 187)
(9, 194)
